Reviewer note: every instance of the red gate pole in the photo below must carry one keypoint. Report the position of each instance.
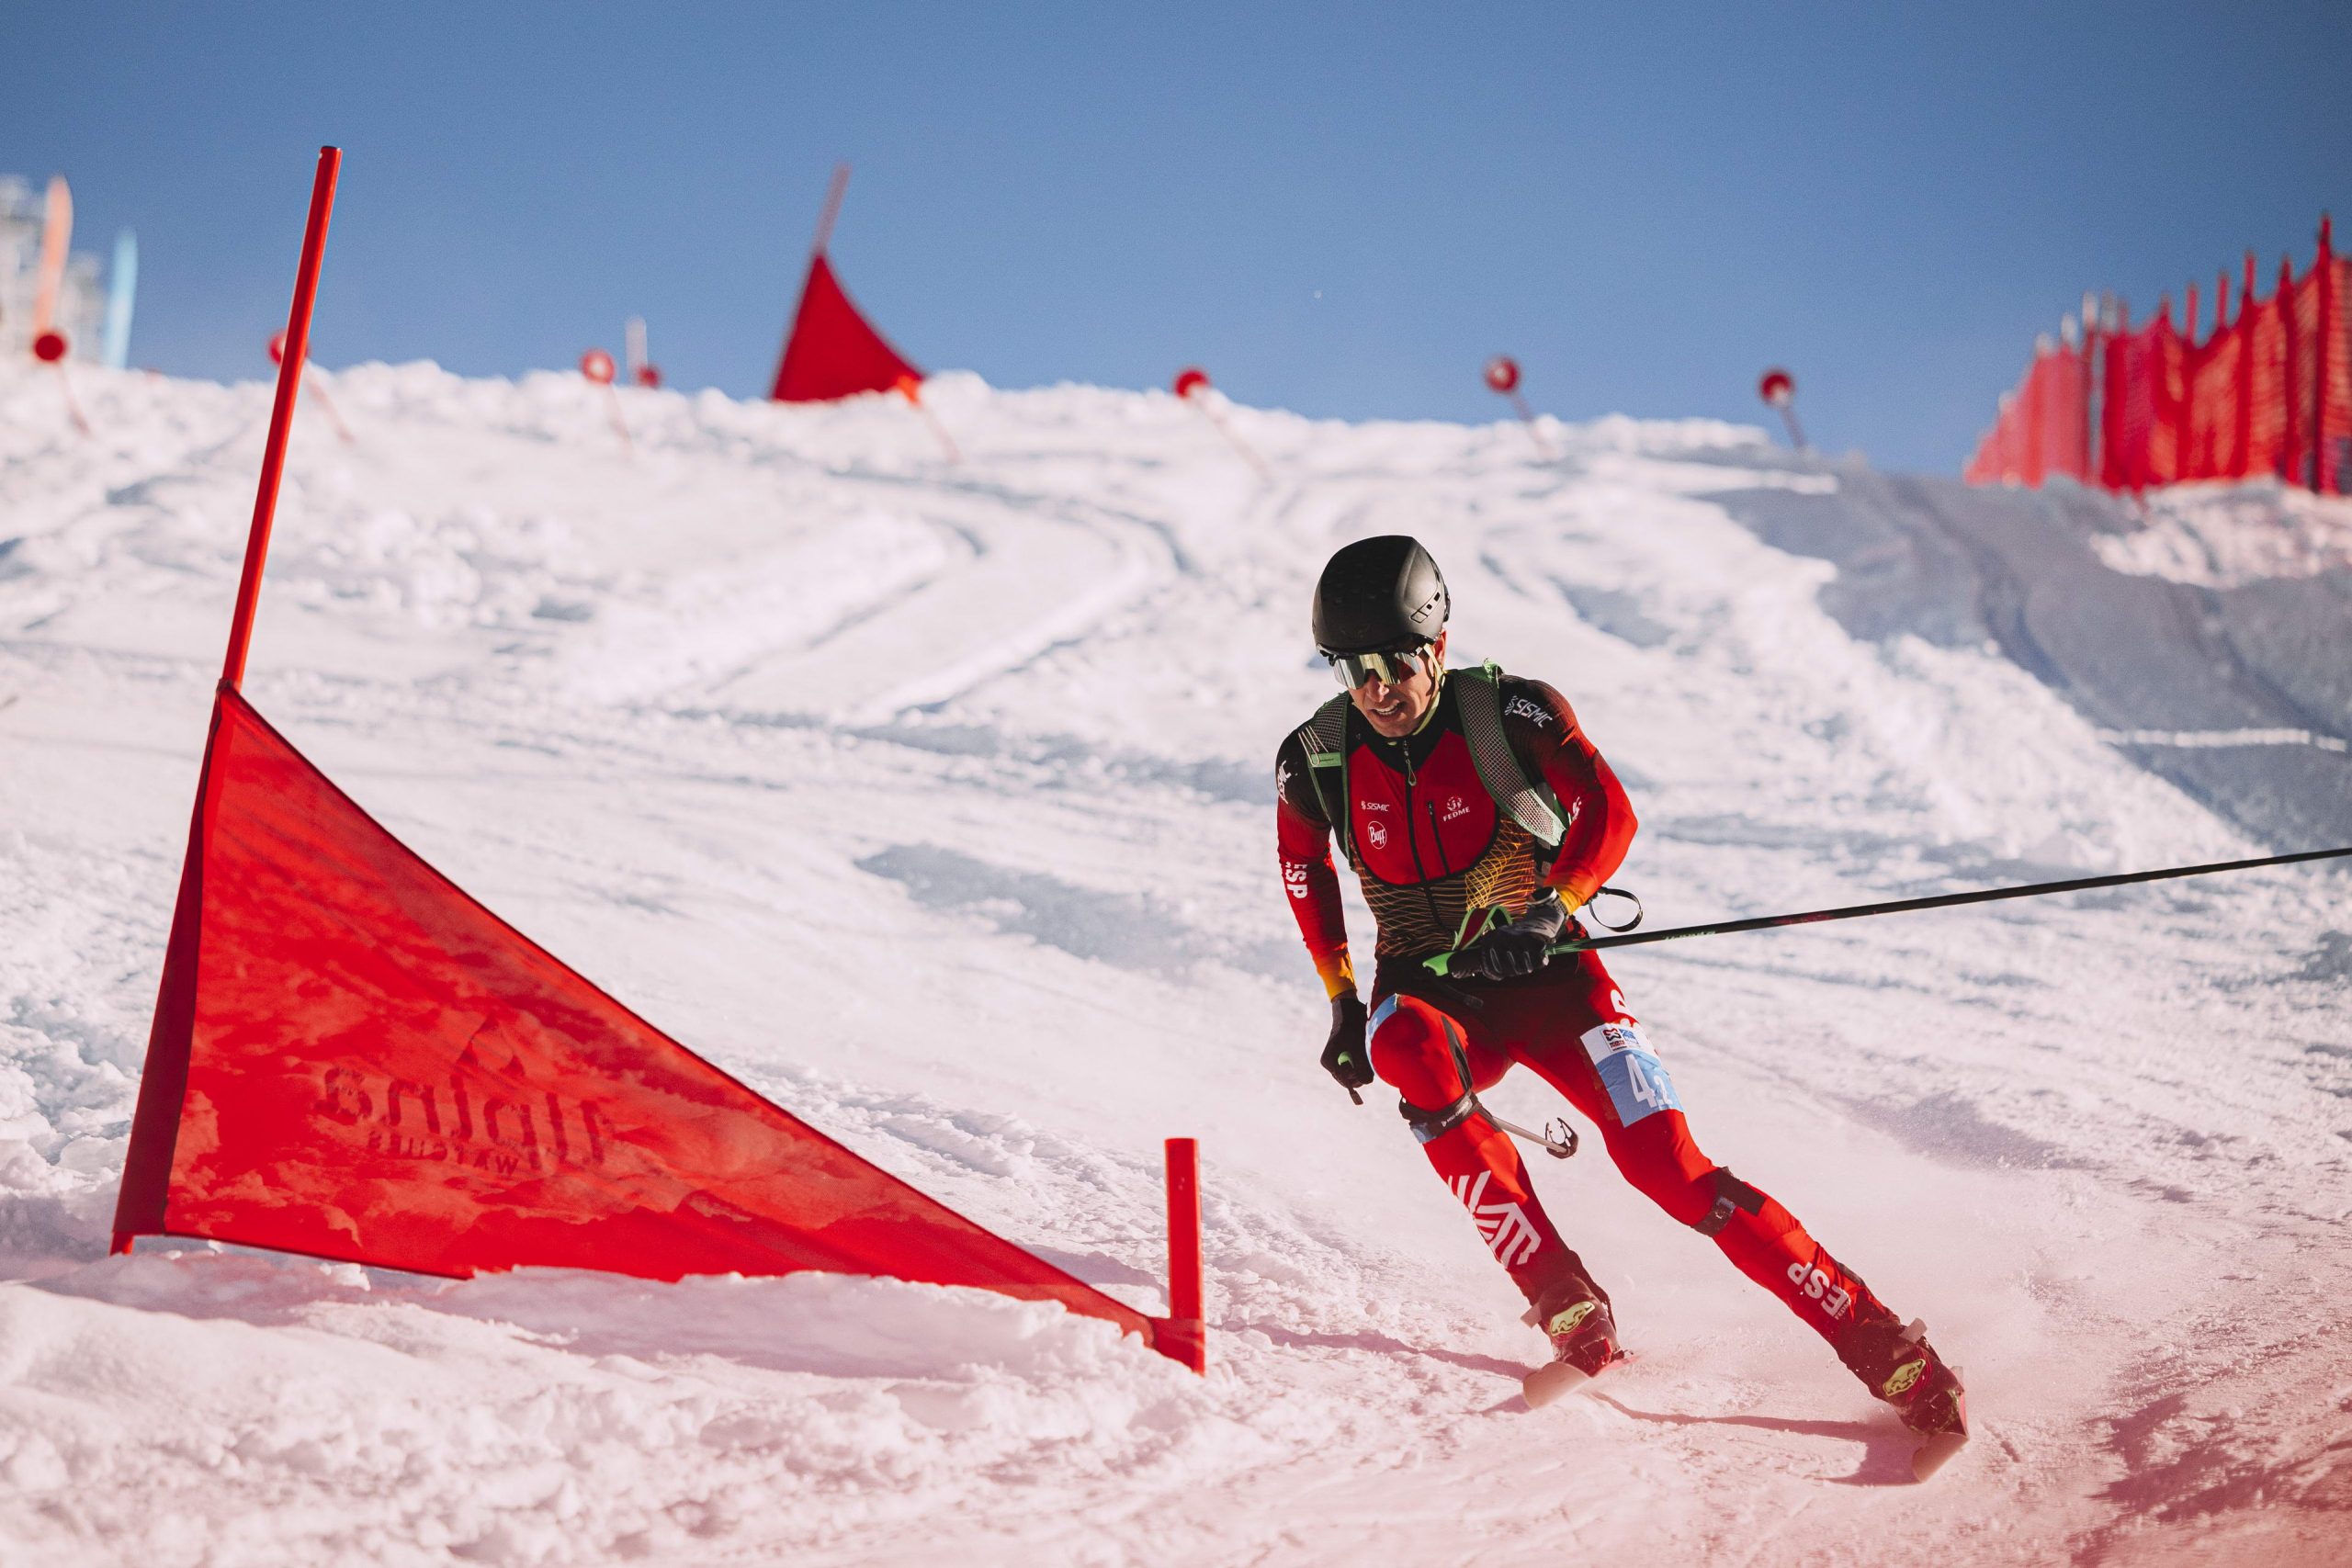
(2322, 471)
(281, 413)
(1186, 1332)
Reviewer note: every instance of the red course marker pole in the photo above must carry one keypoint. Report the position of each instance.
(1191, 384)
(1779, 390)
(1186, 1332)
(281, 413)
(1501, 375)
(315, 379)
(50, 348)
(911, 390)
(597, 365)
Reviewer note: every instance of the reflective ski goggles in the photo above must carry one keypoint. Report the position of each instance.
(1389, 666)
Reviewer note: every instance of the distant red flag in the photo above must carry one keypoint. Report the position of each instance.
(832, 350)
(353, 1059)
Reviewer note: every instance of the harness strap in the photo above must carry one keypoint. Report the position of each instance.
(1324, 738)
(1430, 1125)
(1731, 1194)
(1529, 800)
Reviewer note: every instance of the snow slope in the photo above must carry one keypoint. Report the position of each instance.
(933, 801)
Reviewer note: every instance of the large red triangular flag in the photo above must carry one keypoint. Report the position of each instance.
(354, 1059)
(832, 350)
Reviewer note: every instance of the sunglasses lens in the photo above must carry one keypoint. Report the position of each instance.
(1390, 667)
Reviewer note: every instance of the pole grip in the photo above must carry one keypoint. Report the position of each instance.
(281, 414)
(1183, 1335)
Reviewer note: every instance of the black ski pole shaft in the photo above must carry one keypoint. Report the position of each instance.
(1946, 900)
(1442, 962)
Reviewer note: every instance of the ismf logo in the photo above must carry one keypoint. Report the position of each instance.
(1510, 1236)
(1377, 832)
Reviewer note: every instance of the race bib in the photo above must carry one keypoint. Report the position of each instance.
(1635, 1078)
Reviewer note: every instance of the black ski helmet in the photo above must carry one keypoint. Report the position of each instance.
(1379, 593)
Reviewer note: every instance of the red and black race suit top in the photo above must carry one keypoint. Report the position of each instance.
(1429, 844)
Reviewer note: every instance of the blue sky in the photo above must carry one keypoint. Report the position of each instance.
(1339, 209)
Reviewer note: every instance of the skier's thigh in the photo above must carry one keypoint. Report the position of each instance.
(1412, 1047)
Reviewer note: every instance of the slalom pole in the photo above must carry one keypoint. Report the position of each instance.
(281, 413)
(1442, 962)
(1185, 1328)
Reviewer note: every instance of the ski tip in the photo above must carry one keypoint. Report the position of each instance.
(1936, 1452)
(1550, 1381)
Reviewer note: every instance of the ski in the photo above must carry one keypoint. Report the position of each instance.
(1936, 1452)
(1552, 1382)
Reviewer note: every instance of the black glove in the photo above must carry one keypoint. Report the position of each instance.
(1519, 948)
(1345, 1057)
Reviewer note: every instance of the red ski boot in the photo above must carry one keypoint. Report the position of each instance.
(1584, 1344)
(1898, 1366)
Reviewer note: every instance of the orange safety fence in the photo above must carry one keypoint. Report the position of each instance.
(2268, 392)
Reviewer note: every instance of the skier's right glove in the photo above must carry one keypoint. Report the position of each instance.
(1345, 1055)
(1519, 949)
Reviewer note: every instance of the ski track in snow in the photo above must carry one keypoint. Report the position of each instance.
(932, 801)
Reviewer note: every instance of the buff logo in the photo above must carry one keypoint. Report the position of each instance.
(1528, 709)
(1378, 833)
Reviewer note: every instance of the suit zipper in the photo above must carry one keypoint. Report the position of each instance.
(1413, 840)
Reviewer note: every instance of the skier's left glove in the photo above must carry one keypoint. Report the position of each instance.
(1520, 948)
(1344, 1056)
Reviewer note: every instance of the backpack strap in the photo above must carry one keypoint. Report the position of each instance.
(1324, 738)
(1528, 799)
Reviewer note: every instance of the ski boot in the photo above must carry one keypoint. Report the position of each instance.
(1897, 1365)
(1584, 1342)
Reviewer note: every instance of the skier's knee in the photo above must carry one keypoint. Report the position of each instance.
(1731, 1196)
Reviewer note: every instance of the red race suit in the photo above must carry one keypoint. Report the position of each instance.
(1429, 845)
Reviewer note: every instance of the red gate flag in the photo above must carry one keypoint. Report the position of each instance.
(833, 352)
(353, 1059)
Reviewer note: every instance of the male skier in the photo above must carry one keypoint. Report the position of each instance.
(1477, 817)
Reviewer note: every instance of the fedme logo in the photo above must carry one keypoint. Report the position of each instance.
(497, 1133)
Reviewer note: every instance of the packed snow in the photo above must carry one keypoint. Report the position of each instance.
(934, 800)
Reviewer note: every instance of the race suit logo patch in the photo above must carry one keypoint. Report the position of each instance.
(1455, 806)
(1511, 1236)
(1295, 877)
(1528, 709)
(1377, 832)
(1636, 1080)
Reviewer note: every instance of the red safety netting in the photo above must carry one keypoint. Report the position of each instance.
(353, 1059)
(2268, 392)
(832, 350)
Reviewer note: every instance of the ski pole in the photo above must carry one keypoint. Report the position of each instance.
(1443, 961)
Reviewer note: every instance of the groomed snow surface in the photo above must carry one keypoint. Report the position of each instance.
(933, 801)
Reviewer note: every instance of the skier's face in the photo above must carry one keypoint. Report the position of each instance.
(1396, 709)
